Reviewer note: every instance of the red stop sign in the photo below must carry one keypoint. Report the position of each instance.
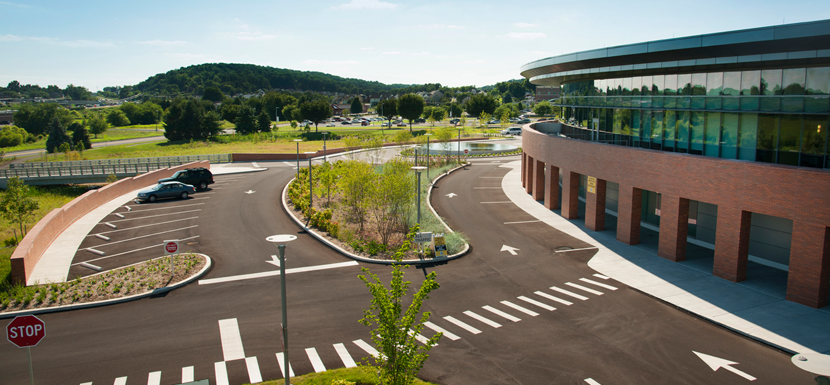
(171, 247)
(25, 331)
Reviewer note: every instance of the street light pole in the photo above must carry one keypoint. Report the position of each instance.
(418, 170)
(459, 146)
(282, 239)
(298, 156)
(427, 135)
(324, 146)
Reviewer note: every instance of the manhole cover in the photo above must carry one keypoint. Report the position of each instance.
(563, 248)
(192, 243)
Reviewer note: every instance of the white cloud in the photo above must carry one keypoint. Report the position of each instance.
(366, 4)
(82, 43)
(525, 35)
(162, 43)
(254, 36)
(10, 38)
(392, 53)
(14, 4)
(331, 62)
(524, 25)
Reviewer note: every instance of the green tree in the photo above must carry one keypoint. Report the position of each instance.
(229, 111)
(97, 125)
(410, 107)
(357, 186)
(263, 122)
(481, 103)
(388, 109)
(80, 135)
(187, 120)
(357, 106)
(35, 119)
(246, 122)
(291, 112)
(57, 136)
(16, 205)
(454, 110)
(117, 118)
(483, 118)
(543, 108)
(392, 201)
(77, 93)
(395, 330)
(316, 111)
(213, 94)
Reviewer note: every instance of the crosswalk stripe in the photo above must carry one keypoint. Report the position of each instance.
(609, 287)
(482, 319)
(187, 374)
(281, 360)
(253, 370)
(439, 329)
(344, 356)
(154, 378)
(221, 371)
(537, 303)
(552, 298)
(519, 308)
(580, 287)
(120, 381)
(316, 362)
(231, 340)
(591, 381)
(420, 338)
(462, 325)
(501, 313)
(87, 383)
(570, 293)
(602, 276)
(368, 348)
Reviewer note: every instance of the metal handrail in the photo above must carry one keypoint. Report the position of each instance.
(135, 168)
(213, 158)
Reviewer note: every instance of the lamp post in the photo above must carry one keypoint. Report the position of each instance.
(298, 156)
(283, 238)
(418, 170)
(310, 187)
(427, 135)
(324, 146)
(459, 146)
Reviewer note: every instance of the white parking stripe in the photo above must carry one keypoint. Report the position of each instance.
(609, 287)
(153, 216)
(570, 293)
(133, 251)
(482, 319)
(537, 303)
(154, 378)
(501, 313)
(484, 203)
(552, 298)
(221, 371)
(462, 325)
(580, 287)
(591, 381)
(277, 272)
(281, 360)
(519, 308)
(601, 276)
(316, 362)
(138, 227)
(163, 208)
(145, 236)
(120, 381)
(188, 374)
(439, 329)
(368, 348)
(253, 370)
(513, 223)
(231, 339)
(87, 383)
(419, 337)
(344, 355)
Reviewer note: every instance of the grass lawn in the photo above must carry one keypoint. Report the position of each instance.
(358, 376)
(110, 135)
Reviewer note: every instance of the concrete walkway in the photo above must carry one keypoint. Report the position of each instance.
(752, 309)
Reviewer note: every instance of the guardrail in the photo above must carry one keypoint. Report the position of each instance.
(175, 160)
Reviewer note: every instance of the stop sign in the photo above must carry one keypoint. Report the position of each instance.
(171, 247)
(25, 331)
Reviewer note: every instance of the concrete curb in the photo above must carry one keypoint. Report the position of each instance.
(369, 260)
(208, 264)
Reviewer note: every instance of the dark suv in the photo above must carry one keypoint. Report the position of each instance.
(199, 177)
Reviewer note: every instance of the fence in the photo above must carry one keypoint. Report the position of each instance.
(105, 166)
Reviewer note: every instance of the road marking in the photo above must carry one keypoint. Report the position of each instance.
(256, 166)
(119, 215)
(253, 370)
(450, 195)
(716, 363)
(580, 287)
(368, 348)
(485, 188)
(133, 251)
(537, 303)
(249, 192)
(609, 287)
(188, 374)
(111, 225)
(120, 381)
(513, 223)
(145, 236)
(104, 237)
(276, 272)
(160, 215)
(138, 227)
(154, 378)
(519, 308)
(344, 356)
(221, 371)
(591, 381)
(95, 251)
(552, 298)
(231, 339)
(569, 250)
(601, 276)
(439, 329)
(462, 325)
(275, 260)
(482, 319)
(491, 177)
(316, 363)
(90, 266)
(419, 337)
(570, 293)
(487, 203)
(166, 208)
(500, 313)
(128, 208)
(281, 360)
(87, 383)
(509, 249)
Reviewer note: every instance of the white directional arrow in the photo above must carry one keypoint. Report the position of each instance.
(249, 192)
(510, 249)
(716, 363)
(275, 261)
(452, 195)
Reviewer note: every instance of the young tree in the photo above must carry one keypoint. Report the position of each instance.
(388, 109)
(57, 136)
(543, 108)
(246, 122)
(454, 110)
(97, 125)
(117, 118)
(80, 135)
(392, 200)
(357, 106)
(263, 122)
(410, 106)
(357, 186)
(395, 330)
(35, 119)
(481, 103)
(316, 111)
(16, 205)
(483, 118)
(504, 120)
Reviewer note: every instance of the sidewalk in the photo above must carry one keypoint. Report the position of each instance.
(757, 309)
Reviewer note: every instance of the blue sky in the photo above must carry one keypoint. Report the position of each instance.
(455, 43)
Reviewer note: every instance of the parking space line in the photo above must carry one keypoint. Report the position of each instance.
(160, 215)
(570, 293)
(347, 359)
(154, 378)
(552, 298)
(231, 339)
(484, 203)
(281, 360)
(537, 303)
(162, 208)
(580, 287)
(368, 348)
(462, 325)
(482, 319)
(419, 337)
(316, 362)
(276, 272)
(591, 381)
(253, 370)
(609, 287)
(601, 276)
(512, 223)
(120, 381)
(221, 371)
(138, 227)
(439, 329)
(569, 250)
(519, 308)
(491, 177)
(501, 313)
(188, 374)
(132, 251)
(145, 236)
(485, 188)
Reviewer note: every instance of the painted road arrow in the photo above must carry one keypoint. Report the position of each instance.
(510, 249)
(716, 363)
(452, 195)
(275, 262)
(249, 192)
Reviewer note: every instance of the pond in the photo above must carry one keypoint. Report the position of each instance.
(473, 148)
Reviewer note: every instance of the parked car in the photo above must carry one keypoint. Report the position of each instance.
(200, 177)
(420, 120)
(345, 122)
(523, 121)
(401, 124)
(512, 131)
(387, 124)
(330, 125)
(455, 121)
(364, 123)
(165, 190)
(494, 121)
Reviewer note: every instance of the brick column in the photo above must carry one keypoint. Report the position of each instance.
(552, 188)
(629, 211)
(807, 282)
(529, 174)
(539, 181)
(674, 228)
(570, 195)
(524, 164)
(595, 207)
(732, 243)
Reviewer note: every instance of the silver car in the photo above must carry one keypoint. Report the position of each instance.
(165, 190)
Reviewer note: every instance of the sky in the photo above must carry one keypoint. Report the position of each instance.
(96, 44)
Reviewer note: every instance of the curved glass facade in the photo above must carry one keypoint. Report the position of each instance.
(770, 115)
